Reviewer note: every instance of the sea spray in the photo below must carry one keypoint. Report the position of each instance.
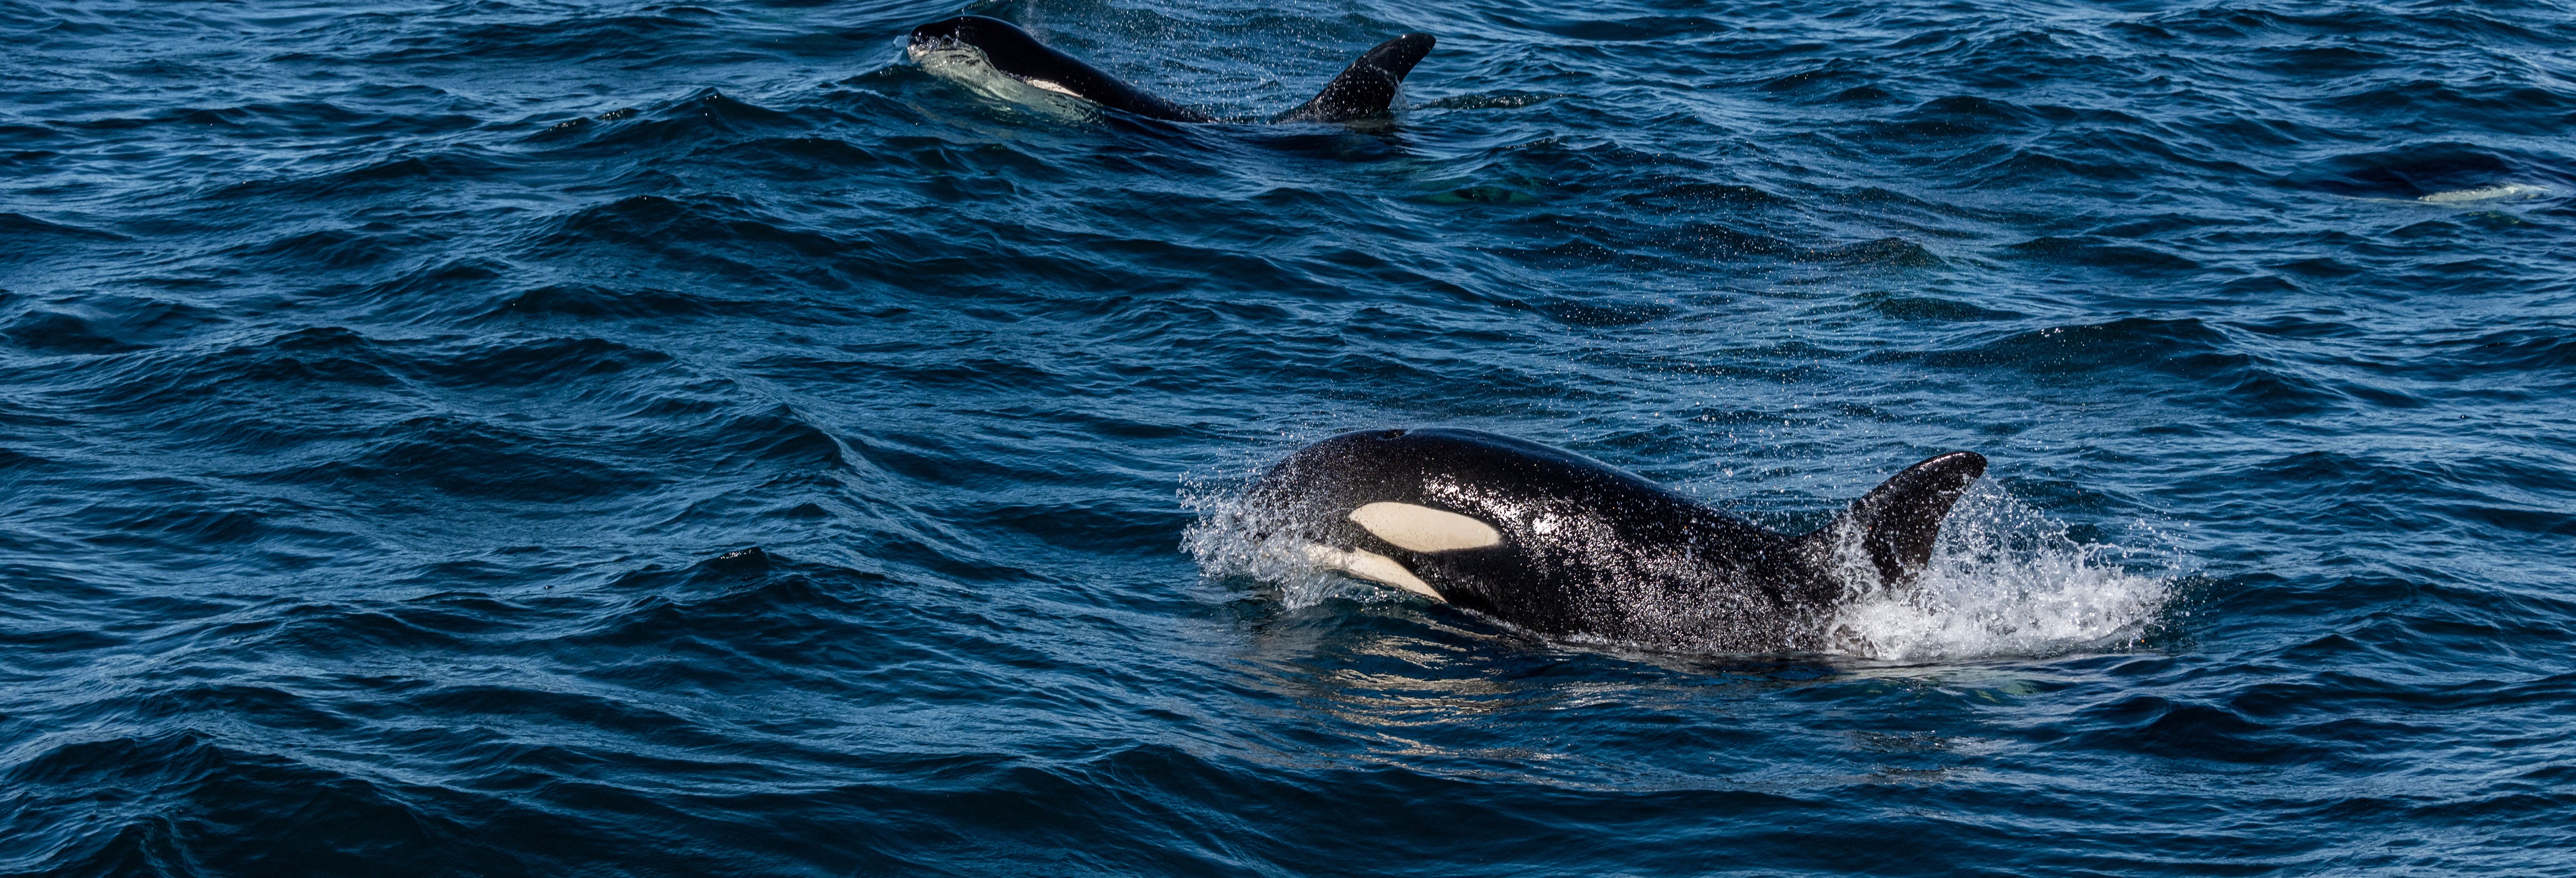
(1235, 539)
(2006, 580)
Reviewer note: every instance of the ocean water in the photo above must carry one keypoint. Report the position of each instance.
(596, 438)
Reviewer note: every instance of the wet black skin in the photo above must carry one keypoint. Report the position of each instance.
(1620, 558)
(1362, 90)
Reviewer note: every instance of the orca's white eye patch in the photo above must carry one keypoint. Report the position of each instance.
(1424, 529)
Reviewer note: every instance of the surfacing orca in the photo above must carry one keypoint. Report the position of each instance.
(1364, 89)
(1564, 545)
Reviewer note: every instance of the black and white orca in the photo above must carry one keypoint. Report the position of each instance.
(1564, 545)
(1363, 89)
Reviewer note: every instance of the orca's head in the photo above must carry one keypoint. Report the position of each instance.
(965, 31)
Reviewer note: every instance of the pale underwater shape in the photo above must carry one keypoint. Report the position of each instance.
(966, 65)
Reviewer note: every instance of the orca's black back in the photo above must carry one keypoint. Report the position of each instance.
(1587, 548)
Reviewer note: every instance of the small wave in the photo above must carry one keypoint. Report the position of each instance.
(2096, 252)
(1929, 309)
(2005, 580)
(653, 223)
(374, 178)
(21, 227)
(2185, 347)
(1491, 100)
(2409, 172)
(54, 332)
(1714, 240)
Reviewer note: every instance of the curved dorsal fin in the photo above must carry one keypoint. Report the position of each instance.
(1367, 86)
(1897, 521)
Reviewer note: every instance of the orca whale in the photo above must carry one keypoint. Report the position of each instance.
(1362, 90)
(1564, 545)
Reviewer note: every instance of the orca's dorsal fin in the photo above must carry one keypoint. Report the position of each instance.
(1897, 521)
(1367, 86)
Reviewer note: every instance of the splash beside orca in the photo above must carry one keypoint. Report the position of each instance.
(1364, 89)
(1565, 545)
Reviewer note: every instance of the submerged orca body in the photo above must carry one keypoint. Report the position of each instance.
(1565, 545)
(1363, 89)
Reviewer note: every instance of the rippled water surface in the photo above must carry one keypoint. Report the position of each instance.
(573, 438)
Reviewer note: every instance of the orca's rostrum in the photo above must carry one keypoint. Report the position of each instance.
(1364, 89)
(1565, 545)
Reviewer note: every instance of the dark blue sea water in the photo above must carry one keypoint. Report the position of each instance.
(598, 438)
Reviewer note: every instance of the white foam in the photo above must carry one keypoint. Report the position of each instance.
(2005, 580)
